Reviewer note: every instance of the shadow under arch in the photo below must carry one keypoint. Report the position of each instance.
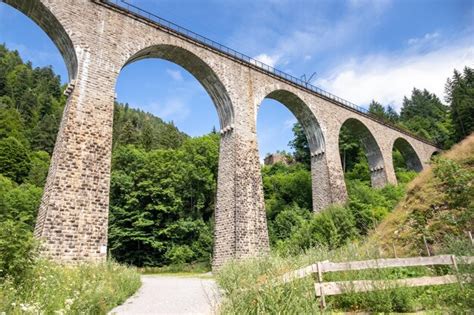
(378, 176)
(45, 19)
(411, 158)
(434, 155)
(321, 192)
(200, 70)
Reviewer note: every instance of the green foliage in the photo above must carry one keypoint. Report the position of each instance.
(460, 95)
(387, 114)
(300, 145)
(133, 126)
(456, 181)
(332, 228)
(39, 165)
(21, 204)
(17, 250)
(162, 202)
(425, 115)
(350, 149)
(14, 159)
(253, 287)
(286, 186)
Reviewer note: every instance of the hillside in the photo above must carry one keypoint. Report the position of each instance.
(439, 205)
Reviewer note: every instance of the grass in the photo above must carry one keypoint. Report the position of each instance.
(438, 206)
(49, 288)
(252, 286)
(427, 210)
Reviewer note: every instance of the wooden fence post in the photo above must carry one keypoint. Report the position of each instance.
(426, 246)
(394, 250)
(320, 280)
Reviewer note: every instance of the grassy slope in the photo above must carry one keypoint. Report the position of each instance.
(252, 286)
(425, 211)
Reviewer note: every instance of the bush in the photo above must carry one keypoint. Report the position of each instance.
(21, 204)
(18, 249)
(332, 228)
(456, 181)
(178, 255)
(14, 160)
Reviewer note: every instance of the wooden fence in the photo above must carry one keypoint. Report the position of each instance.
(323, 289)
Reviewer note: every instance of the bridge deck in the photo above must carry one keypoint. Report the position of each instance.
(148, 17)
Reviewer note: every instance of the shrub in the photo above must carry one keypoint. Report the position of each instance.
(456, 181)
(180, 254)
(21, 204)
(14, 160)
(18, 249)
(332, 228)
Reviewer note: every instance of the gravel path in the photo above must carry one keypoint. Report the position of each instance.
(172, 295)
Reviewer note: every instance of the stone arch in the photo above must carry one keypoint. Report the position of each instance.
(46, 20)
(200, 70)
(321, 191)
(378, 175)
(412, 160)
(304, 116)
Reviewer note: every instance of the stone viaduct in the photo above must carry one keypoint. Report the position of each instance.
(97, 38)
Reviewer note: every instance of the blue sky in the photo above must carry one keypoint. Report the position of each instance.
(360, 50)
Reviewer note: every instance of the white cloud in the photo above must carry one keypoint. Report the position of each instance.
(377, 5)
(175, 74)
(427, 38)
(288, 124)
(387, 78)
(267, 59)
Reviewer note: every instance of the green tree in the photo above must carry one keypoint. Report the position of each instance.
(14, 160)
(425, 115)
(460, 95)
(38, 168)
(21, 204)
(300, 145)
(377, 109)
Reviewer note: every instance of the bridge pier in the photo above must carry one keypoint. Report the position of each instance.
(72, 218)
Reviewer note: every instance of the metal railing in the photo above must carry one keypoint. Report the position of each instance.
(153, 18)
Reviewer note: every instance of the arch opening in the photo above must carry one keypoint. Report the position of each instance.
(295, 183)
(46, 20)
(200, 70)
(411, 159)
(173, 175)
(434, 155)
(361, 157)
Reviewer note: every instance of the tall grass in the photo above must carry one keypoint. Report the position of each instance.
(253, 286)
(49, 288)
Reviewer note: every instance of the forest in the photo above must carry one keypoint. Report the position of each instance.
(163, 182)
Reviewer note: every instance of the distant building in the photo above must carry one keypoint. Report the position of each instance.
(274, 158)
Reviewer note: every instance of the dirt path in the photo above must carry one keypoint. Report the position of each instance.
(172, 295)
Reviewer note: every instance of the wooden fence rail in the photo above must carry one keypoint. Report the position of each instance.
(339, 287)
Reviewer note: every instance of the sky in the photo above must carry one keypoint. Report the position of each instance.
(359, 50)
